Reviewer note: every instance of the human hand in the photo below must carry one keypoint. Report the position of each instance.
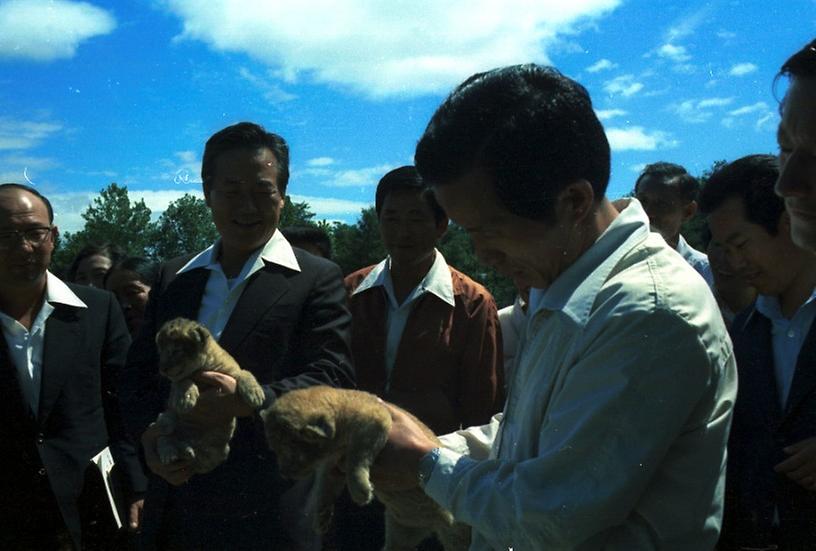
(177, 473)
(135, 514)
(801, 465)
(219, 400)
(397, 465)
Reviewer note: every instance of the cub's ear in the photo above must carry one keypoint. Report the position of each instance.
(321, 428)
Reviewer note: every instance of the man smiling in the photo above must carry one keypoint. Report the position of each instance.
(772, 450)
(614, 430)
(279, 311)
(797, 146)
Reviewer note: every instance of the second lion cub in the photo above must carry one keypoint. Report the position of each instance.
(312, 429)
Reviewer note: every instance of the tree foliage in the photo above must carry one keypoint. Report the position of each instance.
(184, 227)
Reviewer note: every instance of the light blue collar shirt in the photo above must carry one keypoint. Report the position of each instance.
(787, 338)
(615, 427)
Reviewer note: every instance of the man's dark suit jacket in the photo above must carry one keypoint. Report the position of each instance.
(291, 330)
(759, 432)
(78, 413)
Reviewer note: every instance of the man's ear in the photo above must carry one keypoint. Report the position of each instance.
(318, 429)
(689, 211)
(575, 202)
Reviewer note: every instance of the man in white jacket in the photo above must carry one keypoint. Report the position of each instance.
(614, 431)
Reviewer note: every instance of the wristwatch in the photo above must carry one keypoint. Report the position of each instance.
(426, 466)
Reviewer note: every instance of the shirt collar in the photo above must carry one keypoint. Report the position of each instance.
(58, 292)
(438, 281)
(574, 291)
(769, 306)
(276, 251)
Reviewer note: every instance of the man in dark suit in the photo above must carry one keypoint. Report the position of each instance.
(770, 486)
(279, 311)
(61, 348)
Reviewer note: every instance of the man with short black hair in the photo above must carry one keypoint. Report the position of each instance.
(668, 194)
(797, 144)
(614, 431)
(279, 311)
(771, 484)
(63, 346)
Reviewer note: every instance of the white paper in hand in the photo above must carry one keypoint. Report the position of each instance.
(104, 462)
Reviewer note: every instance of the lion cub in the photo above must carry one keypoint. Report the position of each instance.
(311, 430)
(185, 348)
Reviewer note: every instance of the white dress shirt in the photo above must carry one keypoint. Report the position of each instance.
(512, 320)
(26, 347)
(697, 260)
(615, 428)
(437, 281)
(222, 294)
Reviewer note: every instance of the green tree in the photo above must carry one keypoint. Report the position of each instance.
(186, 226)
(112, 218)
(358, 245)
(695, 229)
(296, 214)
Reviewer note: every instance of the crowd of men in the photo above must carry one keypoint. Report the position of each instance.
(637, 395)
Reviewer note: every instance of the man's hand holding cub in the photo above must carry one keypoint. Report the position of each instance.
(177, 472)
(397, 465)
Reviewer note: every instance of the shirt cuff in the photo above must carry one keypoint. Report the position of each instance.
(441, 480)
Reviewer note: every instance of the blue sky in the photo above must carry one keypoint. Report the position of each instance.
(128, 91)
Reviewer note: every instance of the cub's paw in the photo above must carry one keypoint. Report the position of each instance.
(189, 399)
(249, 390)
(361, 491)
(166, 451)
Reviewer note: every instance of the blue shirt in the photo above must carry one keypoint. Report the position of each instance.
(787, 337)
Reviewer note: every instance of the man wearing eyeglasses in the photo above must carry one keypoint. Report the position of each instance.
(61, 348)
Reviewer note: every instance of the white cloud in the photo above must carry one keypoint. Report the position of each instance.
(674, 53)
(697, 111)
(726, 35)
(606, 114)
(320, 161)
(272, 92)
(741, 69)
(635, 138)
(360, 177)
(624, 85)
(329, 207)
(638, 168)
(18, 134)
(380, 49)
(45, 30)
(758, 106)
(688, 24)
(766, 121)
(601, 65)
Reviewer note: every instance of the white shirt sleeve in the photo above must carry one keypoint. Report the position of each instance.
(643, 391)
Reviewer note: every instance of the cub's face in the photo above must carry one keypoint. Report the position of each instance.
(180, 342)
(299, 443)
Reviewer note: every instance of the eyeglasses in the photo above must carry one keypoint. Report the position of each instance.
(32, 236)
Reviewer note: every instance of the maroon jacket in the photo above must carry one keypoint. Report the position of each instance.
(448, 369)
